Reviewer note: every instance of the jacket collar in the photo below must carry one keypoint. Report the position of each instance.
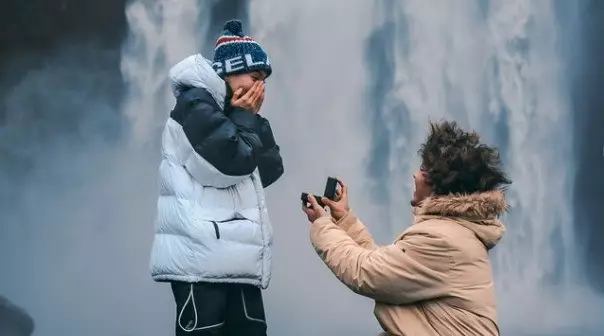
(481, 206)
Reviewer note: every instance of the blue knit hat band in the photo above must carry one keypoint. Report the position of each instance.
(236, 53)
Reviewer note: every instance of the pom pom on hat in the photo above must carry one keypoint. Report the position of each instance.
(235, 27)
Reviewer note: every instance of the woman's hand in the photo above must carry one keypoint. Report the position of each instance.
(338, 208)
(251, 100)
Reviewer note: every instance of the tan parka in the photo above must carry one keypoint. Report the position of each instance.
(436, 278)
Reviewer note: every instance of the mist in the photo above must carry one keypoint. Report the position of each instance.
(350, 96)
(314, 103)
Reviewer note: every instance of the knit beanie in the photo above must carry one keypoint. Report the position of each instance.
(236, 53)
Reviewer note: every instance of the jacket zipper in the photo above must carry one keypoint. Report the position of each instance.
(216, 230)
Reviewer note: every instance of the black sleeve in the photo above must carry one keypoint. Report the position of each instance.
(270, 163)
(230, 144)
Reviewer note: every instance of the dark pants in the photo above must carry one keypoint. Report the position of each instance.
(212, 309)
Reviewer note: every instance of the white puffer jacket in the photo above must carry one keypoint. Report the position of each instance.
(212, 223)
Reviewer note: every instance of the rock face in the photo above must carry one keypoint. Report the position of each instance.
(14, 321)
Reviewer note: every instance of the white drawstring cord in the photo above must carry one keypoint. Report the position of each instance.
(191, 297)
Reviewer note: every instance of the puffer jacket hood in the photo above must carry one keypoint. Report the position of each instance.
(196, 71)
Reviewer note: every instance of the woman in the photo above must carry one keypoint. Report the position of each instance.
(213, 235)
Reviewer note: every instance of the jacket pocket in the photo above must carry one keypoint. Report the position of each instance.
(216, 230)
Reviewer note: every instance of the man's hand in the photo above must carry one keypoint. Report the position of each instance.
(252, 100)
(338, 208)
(315, 211)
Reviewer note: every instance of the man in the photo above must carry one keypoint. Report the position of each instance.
(436, 278)
(212, 235)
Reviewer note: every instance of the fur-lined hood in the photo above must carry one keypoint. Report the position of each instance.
(478, 212)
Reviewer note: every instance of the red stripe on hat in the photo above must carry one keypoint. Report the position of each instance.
(225, 39)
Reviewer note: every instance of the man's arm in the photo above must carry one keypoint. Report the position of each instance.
(351, 224)
(414, 269)
(270, 163)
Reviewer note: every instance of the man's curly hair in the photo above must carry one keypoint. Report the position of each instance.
(455, 162)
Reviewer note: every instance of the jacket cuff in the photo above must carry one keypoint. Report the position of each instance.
(243, 118)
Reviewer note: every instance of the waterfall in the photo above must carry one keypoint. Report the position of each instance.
(354, 86)
(314, 100)
(494, 66)
(162, 32)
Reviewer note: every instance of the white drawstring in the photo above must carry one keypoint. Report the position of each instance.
(191, 297)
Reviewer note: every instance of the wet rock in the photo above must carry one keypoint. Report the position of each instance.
(14, 320)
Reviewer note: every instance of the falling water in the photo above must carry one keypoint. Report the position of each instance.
(351, 96)
(162, 32)
(493, 66)
(315, 103)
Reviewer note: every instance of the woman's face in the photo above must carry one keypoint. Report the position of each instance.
(422, 189)
(245, 81)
